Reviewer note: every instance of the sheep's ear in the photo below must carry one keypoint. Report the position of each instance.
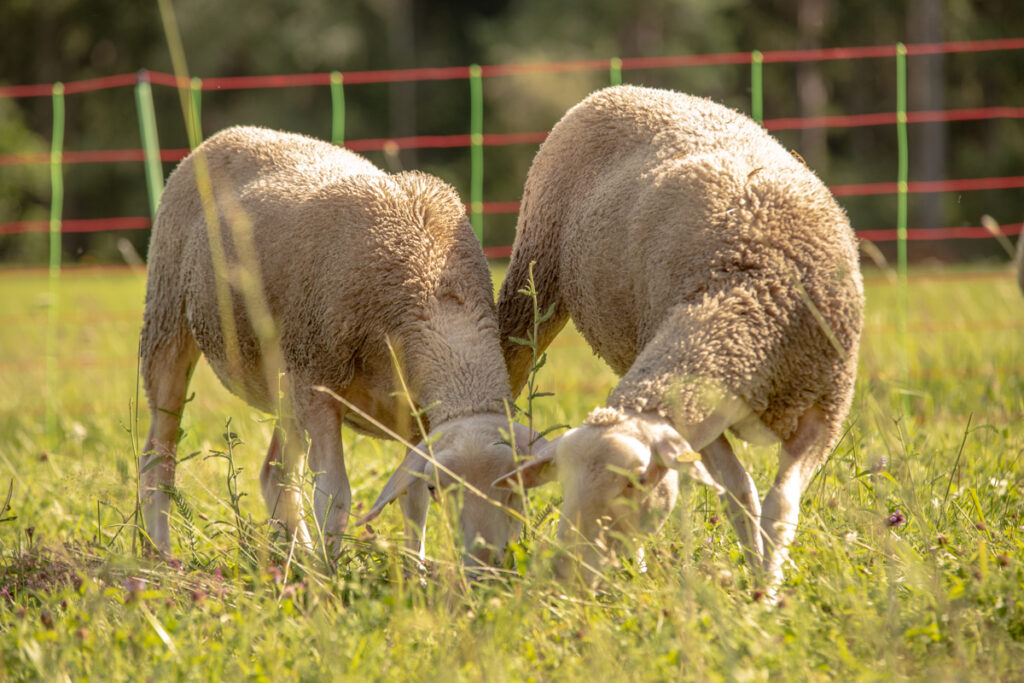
(408, 473)
(670, 449)
(538, 470)
(527, 439)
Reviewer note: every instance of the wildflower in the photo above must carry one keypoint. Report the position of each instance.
(895, 519)
(1000, 485)
(133, 585)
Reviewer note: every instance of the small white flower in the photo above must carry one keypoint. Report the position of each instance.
(79, 432)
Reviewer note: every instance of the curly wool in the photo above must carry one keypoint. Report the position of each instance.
(696, 255)
(350, 259)
(604, 416)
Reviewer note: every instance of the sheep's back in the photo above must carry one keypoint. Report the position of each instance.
(659, 200)
(345, 254)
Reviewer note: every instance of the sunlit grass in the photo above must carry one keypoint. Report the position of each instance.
(938, 595)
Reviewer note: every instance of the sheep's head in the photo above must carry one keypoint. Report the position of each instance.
(469, 454)
(618, 480)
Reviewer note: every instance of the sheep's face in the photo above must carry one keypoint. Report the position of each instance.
(469, 455)
(466, 467)
(618, 481)
(613, 489)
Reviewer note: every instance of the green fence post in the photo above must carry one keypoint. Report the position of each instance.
(902, 174)
(195, 113)
(337, 108)
(56, 213)
(757, 86)
(615, 71)
(476, 142)
(903, 168)
(150, 142)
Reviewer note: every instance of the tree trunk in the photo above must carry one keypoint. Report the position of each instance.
(402, 96)
(812, 92)
(926, 90)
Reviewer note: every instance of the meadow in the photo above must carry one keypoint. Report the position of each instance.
(909, 563)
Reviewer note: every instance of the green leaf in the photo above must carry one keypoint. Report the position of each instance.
(551, 429)
(547, 314)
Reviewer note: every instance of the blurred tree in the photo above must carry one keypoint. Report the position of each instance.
(24, 189)
(65, 40)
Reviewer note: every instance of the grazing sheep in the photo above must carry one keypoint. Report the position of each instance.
(316, 260)
(719, 278)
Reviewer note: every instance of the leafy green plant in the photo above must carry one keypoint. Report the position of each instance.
(538, 358)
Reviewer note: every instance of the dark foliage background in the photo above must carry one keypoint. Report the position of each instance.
(66, 40)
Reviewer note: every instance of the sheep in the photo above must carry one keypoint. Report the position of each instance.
(292, 264)
(719, 278)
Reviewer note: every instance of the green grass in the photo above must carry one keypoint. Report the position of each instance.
(940, 596)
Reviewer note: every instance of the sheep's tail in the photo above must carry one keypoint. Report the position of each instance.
(524, 311)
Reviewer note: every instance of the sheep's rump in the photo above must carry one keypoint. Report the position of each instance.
(318, 244)
(682, 220)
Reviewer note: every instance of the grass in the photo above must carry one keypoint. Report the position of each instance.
(938, 595)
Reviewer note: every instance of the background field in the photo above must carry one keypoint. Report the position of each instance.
(868, 596)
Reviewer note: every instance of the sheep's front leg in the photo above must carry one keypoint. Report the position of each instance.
(739, 497)
(281, 479)
(721, 469)
(166, 376)
(799, 459)
(332, 495)
(415, 503)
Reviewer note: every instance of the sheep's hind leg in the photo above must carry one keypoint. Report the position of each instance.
(739, 497)
(281, 480)
(166, 375)
(799, 459)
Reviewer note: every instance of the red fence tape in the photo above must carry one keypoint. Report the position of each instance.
(457, 72)
(501, 139)
(537, 137)
(143, 223)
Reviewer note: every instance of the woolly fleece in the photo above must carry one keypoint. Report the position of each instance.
(695, 255)
(349, 256)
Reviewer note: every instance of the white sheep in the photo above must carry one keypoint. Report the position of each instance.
(717, 275)
(291, 264)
